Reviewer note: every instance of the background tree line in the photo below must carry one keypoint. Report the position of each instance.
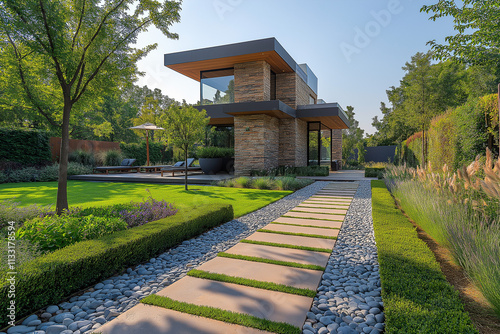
(453, 79)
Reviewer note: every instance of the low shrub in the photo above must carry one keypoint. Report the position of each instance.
(417, 298)
(55, 232)
(274, 183)
(110, 158)
(242, 182)
(293, 171)
(10, 211)
(374, 172)
(49, 173)
(44, 174)
(28, 174)
(53, 276)
(75, 168)
(25, 252)
(82, 157)
(150, 210)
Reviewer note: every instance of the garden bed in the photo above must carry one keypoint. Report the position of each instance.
(51, 277)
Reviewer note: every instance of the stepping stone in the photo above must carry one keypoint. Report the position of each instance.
(264, 272)
(319, 210)
(271, 305)
(292, 240)
(312, 222)
(333, 197)
(321, 216)
(280, 254)
(337, 191)
(344, 201)
(322, 205)
(301, 229)
(149, 319)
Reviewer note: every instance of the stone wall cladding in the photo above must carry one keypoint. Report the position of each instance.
(292, 90)
(292, 142)
(287, 141)
(285, 88)
(337, 144)
(303, 91)
(301, 143)
(252, 82)
(257, 148)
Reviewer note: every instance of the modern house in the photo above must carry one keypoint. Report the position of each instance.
(271, 102)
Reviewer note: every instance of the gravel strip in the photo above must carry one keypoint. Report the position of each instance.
(348, 299)
(106, 300)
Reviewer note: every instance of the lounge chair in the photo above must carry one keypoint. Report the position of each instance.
(125, 166)
(157, 168)
(179, 167)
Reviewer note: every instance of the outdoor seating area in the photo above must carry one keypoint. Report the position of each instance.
(126, 167)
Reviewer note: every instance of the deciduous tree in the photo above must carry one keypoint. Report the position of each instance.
(184, 127)
(67, 53)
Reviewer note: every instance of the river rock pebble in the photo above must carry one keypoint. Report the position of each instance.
(349, 292)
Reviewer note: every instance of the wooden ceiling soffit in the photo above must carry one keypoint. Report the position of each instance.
(193, 69)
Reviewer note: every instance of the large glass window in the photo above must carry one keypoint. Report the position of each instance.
(319, 144)
(217, 87)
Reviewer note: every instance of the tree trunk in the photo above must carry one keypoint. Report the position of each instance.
(186, 168)
(62, 191)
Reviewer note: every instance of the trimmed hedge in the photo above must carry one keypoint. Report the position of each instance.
(51, 277)
(24, 146)
(417, 297)
(374, 172)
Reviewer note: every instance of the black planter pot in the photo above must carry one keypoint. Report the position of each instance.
(211, 165)
(228, 165)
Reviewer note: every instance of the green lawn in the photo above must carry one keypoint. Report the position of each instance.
(86, 194)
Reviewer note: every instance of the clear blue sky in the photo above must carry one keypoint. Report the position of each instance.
(356, 48)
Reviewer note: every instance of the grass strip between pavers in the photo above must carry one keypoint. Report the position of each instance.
(251, 283)
(290, 224)
(222, 315)
(417, 297)
(274, 244)
(298, 234)
(278, 262)
(332, 220)
(321, 206)
(318, 213)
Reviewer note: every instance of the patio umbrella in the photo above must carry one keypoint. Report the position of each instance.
(147, 127)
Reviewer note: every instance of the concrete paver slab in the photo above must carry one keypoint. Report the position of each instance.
(321, 216)
(264, 272)
(319, 210)
(271, 305)
(312, 222)
(333, 197)
(301, 229)
(280, 254)
(340, 201)
(322, 205)
(292, 240)
(147, 319)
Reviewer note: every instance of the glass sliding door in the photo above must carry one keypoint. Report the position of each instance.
(319, 148)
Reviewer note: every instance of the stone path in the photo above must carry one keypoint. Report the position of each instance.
(314, 223)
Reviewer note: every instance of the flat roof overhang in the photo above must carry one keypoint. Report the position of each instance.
(223, 114)
(191, 63)
(329, 114)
